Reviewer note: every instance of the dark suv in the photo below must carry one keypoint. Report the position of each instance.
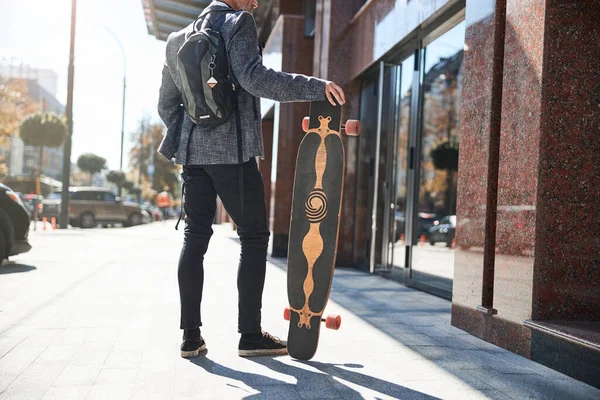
(90, 206)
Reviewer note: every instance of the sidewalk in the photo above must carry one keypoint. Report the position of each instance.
(86, 317)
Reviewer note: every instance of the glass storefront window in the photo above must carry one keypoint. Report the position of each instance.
(364, 179)
(433, 255)
(416, 143)
(374, 157)
(386, 159)
(400, 177)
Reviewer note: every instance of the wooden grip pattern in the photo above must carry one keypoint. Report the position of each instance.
(316, 208)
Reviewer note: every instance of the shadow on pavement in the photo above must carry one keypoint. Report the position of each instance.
(250, 379)
(13, 268)
(420, 322)
(309, 382)
(306, 379)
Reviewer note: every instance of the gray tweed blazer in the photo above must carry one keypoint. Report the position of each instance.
(219, 145)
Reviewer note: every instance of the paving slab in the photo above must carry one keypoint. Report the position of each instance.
(94, 314)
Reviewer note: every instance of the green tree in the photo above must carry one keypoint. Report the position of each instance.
(91, 164)
(43, 130)
(444, 156)
(118, 178)
(136, 190)
(128, 185)
(143, 153)
(15, 104)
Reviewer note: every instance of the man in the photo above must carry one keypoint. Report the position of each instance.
(210, 159)
(163, 201)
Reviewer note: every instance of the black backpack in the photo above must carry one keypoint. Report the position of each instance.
(208, 88)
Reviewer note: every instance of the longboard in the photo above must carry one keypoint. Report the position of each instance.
(314, 226)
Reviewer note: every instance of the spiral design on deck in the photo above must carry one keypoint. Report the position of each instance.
(316, 206)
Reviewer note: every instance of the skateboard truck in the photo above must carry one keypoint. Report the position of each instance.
(331, 322)
(352, 126)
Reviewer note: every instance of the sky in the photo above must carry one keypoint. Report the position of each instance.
(38, 32)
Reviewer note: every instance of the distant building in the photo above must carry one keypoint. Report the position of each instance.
(23, 160)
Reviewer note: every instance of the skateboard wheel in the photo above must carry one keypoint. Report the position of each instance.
(333, 322)
(287, 314)
(353, 127)
(305, 123)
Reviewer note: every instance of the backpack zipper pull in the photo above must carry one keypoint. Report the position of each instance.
(212, 82)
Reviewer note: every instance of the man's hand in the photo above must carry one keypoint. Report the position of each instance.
(334, 91)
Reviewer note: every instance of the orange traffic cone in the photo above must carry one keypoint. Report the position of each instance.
(44, 220)
(423, 240)
(53, 223)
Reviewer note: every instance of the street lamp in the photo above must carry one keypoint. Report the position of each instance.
(64, 209)
(124, 90)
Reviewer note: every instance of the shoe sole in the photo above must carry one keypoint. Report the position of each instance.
(262, 352)
(193, 353)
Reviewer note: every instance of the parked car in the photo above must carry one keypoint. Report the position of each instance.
(146, 216)
(426, 221)
(444, 231)
(14, 224)
(153, 212)
(90, 206)
(30, 201)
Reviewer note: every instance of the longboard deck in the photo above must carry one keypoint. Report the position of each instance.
(314, 227)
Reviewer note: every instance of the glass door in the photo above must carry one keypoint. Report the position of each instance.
(398, 166)
(436, 172)
(376, 148)
(385, 172)
(408, 160)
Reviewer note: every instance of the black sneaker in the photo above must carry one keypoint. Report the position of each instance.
(192, 347)
(267, 346)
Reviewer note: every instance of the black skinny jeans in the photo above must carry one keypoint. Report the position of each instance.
(202, 185)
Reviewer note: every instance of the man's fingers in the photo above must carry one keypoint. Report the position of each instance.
(338, 95)
(334, 91)
(328, 93)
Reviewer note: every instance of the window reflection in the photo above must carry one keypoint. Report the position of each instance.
(364, 185)
(401, 167)
(433, 260)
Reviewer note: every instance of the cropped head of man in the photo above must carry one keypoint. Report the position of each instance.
(242, 5)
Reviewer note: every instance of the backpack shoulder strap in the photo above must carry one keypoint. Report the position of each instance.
(211, 18)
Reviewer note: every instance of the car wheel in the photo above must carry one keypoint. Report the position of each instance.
(87, 221)
(134, 219)
(3, 246)
(432, 242)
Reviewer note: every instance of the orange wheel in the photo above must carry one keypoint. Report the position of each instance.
(305, 123)
(353, 127)
(333, 322)
(287, 314)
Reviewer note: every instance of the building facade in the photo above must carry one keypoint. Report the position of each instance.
(476, 175)
(23, 160)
